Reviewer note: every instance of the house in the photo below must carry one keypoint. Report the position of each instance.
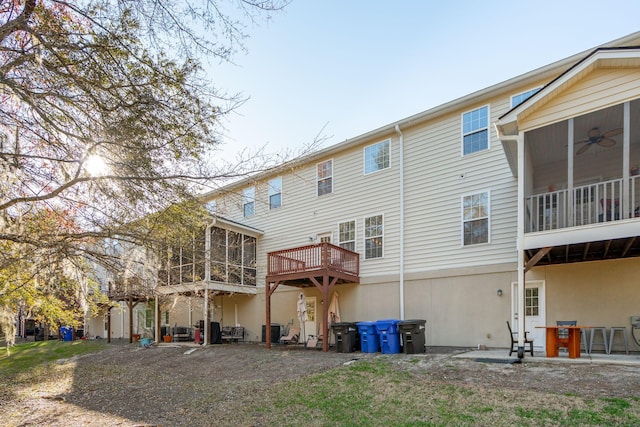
(518, 202)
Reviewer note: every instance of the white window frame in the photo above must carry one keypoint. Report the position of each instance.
(523, 96)
(340, 235)
(249, 200)
(275, 189)
(365, 237)
(386, 146)
(323, 178)
(474, 131)
(464, 220)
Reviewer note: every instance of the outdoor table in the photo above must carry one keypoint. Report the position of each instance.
(573, 340)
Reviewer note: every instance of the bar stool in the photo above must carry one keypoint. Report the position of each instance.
(603, 330)
(583, 336)
(623, 331)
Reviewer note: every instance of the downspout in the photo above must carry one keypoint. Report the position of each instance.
(401, 189)
(519, 235)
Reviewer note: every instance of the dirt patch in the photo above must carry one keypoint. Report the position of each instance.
(221, 385)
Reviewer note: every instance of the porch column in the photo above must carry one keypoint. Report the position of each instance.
(626, 146)
(325, 313)
(520, 245)
(206, 316)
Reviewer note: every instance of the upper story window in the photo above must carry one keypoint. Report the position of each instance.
(521, 97)
(347, 235)
(212, 206)
(475, 130)
(373, 235)
(249, 201)
(325, 177)
(475, 218)
(275, 193)
(376, 156)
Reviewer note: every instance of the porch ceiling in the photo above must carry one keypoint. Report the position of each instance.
(627, 247)
(218, 287)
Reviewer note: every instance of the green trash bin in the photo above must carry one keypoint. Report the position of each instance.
(413, 335)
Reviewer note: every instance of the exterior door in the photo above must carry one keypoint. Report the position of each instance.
(324, 237)
(534, 307)
(310, 327)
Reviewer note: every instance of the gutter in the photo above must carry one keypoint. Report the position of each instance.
(401, 212)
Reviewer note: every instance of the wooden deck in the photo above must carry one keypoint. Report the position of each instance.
(321, 265)
(295, 266)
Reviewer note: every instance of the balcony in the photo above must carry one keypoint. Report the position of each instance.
(601, 202)
(296, 266)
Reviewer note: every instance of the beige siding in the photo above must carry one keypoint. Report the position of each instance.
(437, 176)
(602, 88)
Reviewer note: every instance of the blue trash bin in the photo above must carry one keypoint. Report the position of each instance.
(389, 336)
(67, 333)
(369, 341)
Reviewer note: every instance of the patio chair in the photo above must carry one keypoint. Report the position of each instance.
(293, 337)
(514, 341)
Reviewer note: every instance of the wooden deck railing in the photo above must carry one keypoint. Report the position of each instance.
(313, 257)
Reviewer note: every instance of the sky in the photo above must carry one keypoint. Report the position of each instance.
(336, 69)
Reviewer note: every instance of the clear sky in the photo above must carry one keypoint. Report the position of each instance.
(345, 67)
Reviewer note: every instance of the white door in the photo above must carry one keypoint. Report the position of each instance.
(534, 311)
(310, 327)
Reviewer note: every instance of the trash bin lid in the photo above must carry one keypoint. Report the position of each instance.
(412, 322)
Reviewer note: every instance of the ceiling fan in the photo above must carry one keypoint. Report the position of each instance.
(595, 137)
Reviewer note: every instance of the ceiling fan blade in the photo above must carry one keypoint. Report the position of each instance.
(612, 132)
(607, 142)
(583, 149)
(582, 142)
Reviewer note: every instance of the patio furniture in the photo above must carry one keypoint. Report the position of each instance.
(563, 334)
(604, 343)
(514, 341)
(612, 333)
(293, 337)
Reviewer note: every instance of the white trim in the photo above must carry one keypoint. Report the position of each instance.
(364, 236)
(487, 128)
(364, 156)
(355, 234)
(462, 220)
(331, 176)
(269, 192)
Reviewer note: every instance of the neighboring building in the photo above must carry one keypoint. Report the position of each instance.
(536, 174)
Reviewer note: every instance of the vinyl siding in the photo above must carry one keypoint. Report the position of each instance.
(600, 89)
(434, 188)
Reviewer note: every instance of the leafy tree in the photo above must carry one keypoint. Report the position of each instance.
(105, 117)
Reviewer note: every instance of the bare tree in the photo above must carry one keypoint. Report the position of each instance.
(105, 117)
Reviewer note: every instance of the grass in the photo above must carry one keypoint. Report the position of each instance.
(27, 356)
(375, 393)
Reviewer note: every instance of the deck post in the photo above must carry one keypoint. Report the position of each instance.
(325, 312)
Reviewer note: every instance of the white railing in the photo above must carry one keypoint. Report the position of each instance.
(587, 204)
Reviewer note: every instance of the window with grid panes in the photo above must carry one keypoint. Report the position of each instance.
(347, 235)
(531, 306)
(373, 235)
(475, 218)
(475, 130)
(376, 157)
(325, 177)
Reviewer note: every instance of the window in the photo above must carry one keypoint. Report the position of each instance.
(347, 235)
(521, 97)
(475, 130)
(475, 214)
(233, 257)
(275, 193)
(248, 201)
(531, 302)
(166, 317)
(373, 230)
(148, 318)
(376, 157)
(325, 177)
